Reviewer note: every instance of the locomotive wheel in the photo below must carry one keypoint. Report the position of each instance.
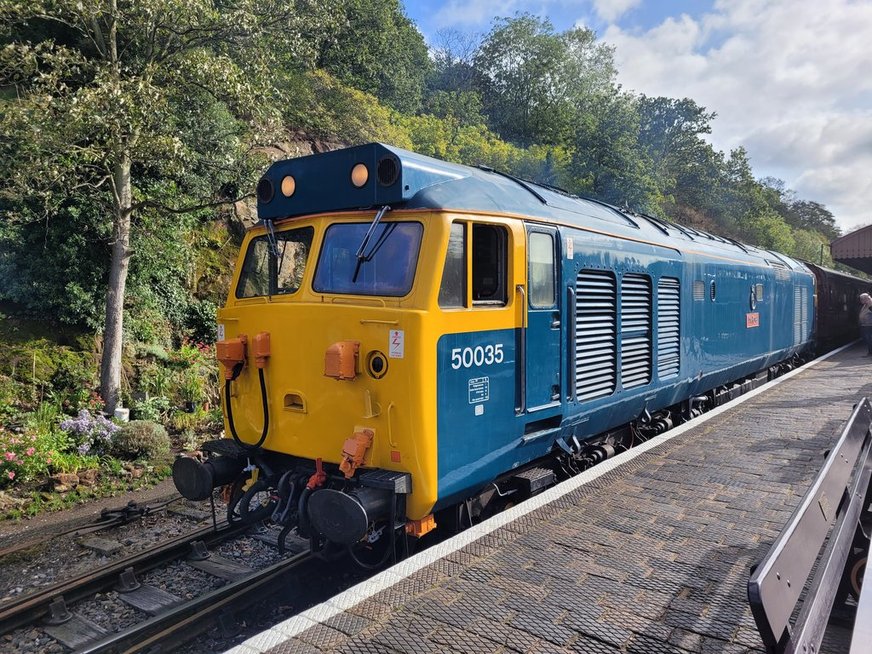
(256, 503)
(856, 575)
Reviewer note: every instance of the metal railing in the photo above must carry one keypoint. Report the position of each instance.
(836, 507)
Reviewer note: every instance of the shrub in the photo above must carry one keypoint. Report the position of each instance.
(141, 439)
(91, 433)
(17, 456)
(152, 409)
(199, 420)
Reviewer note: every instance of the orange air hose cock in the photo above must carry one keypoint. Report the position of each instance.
(354, 451)
(231, 354)
(261, 349)
(317, 480)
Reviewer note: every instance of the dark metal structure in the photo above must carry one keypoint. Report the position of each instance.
(854, 249)
(834, 506)
(837, 306)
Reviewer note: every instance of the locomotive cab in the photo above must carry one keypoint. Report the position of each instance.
(325, 344)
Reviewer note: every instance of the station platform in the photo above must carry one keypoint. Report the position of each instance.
(649, 552)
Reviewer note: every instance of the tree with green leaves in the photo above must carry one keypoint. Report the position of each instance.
(535, 81)
(377, 49)
(670, 131)
(607, 161)
(811, 215)
(109, 92)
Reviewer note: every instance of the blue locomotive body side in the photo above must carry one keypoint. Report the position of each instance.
(708, 321)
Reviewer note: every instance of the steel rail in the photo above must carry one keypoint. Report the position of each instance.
(29, 608)
(185, 621)
(108, 519)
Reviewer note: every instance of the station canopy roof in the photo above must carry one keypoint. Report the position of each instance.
(854, 249)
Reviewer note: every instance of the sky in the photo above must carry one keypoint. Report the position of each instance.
(790, 80)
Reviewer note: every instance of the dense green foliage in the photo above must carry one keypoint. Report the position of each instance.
(131, 128)
(526, 98)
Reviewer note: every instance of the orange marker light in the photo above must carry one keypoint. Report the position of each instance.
(289, 185)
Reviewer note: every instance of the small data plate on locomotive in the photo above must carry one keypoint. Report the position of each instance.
(479, 390)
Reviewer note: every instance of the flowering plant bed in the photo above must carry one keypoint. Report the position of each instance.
(49, 461)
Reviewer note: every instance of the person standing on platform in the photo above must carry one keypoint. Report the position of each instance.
(866, 322)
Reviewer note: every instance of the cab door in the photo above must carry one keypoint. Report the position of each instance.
(542, 328)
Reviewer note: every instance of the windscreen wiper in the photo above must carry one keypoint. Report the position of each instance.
(362, 255)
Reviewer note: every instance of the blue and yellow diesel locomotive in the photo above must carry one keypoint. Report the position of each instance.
(405, 336)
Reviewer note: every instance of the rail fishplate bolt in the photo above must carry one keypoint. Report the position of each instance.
(199, 552)
(58, 613)
(127, 581)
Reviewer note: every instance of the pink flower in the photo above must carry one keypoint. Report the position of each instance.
(10, 456)
(30, 451)
(10, 474)
(48, 461)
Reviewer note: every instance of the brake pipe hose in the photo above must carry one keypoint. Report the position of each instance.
(227, 403)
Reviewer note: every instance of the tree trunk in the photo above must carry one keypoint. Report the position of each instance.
(110, 367)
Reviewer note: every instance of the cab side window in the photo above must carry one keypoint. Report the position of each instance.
(487, 282)
(542, 291)
(488, 265)
(452, 291)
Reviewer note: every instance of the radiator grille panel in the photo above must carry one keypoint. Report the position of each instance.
(668, 327)
(804, 328)
(595, 334)
(635, 330)
(797, 315)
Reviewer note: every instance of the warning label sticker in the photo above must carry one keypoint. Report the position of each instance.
(752, 320)
(397, 344)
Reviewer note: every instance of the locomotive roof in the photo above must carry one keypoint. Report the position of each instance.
(322, 183)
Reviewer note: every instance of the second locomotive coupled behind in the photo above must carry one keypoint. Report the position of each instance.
(464, 340)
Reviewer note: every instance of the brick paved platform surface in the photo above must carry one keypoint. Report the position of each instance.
(651, 557)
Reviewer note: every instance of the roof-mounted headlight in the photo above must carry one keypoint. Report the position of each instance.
(359, 175)
(388, 170)
(289, 185)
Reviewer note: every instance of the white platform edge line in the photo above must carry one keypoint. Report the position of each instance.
(364, 590)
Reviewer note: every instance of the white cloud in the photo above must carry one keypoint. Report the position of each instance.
(456, 13)
(789, 79)
(610, 10)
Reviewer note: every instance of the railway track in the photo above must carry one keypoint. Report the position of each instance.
(181, 623)
(53, 609)
(109, 519)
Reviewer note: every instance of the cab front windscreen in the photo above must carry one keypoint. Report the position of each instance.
(383, 264)
(277, 267)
